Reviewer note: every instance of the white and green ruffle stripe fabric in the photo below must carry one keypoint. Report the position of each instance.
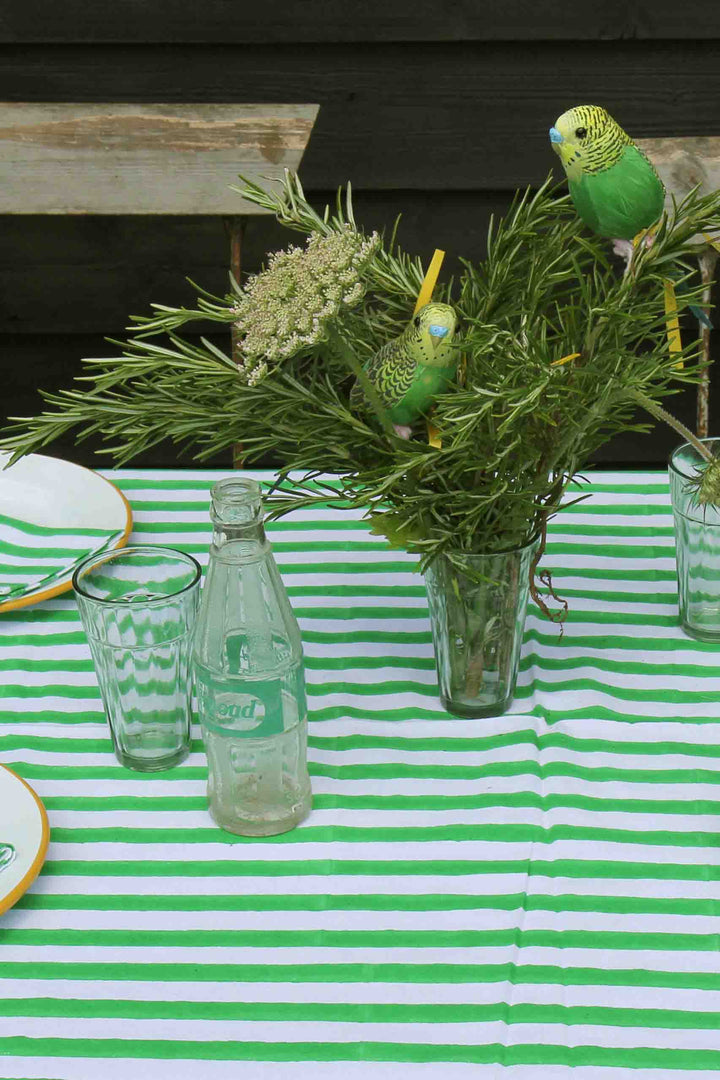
(34, 558)
(532, 896)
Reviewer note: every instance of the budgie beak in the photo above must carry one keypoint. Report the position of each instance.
(437, 333)
(565, 151)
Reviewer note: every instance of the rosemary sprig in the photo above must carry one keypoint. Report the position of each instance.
(558, 349)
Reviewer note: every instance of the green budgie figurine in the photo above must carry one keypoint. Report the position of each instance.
(411, 370)
(614, 187)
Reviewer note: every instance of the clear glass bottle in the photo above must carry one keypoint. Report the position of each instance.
(249, 679)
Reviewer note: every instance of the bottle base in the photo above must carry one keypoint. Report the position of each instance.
(262, 826)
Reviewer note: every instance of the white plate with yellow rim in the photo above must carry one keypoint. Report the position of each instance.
(53, 514)
(24, 835)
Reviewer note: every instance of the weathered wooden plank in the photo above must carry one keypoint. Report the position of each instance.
(145, 158)
(275, 21)
(458, 116)
(685, 163)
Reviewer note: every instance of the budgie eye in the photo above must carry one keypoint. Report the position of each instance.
(417, 320)
(580, 133)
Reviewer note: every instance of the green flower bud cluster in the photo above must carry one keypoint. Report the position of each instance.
(707, 484)
(285, 308)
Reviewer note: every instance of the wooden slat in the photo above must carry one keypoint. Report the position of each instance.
(685, 163)
(143, 159)
(276, 21)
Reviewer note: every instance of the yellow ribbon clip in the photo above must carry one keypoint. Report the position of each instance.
(424, 297)
(673, 325)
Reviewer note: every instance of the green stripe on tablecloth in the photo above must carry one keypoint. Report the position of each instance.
(561, 527)
(371, 939)
(63, 611)
(545, 1054)
(620, 905)
(444, 742)
(522, 799)
(334, 712)
(370, 972)
(352, 1012)
(378, 834)
(403, 770)
(354, 712)
(439, 744)
(601, 869)
(377, 689)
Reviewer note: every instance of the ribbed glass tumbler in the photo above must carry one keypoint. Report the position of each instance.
(697, 545)
(138, 607)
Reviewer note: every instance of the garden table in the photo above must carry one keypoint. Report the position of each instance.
(468, 898)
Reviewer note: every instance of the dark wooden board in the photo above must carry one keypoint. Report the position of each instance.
(50, 362)
(185, 21)
(89, 274)
(396, 117)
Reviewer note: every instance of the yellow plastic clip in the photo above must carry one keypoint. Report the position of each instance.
(429, 281)
(565, 359)
(424, 297)
(673, 325)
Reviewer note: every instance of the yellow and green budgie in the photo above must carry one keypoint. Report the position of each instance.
(411, 370)
(614, 186)
(615, 189)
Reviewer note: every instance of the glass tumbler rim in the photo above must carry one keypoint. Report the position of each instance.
(470, 555)
(673, 468)
(100, 558)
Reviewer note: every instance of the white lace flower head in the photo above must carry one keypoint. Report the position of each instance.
(284, 308)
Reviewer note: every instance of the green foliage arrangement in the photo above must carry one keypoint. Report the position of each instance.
(558, 347)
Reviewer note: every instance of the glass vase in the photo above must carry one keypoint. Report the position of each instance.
(477, 613)
(697, 546)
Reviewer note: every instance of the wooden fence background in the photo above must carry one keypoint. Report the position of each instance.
(436, 110)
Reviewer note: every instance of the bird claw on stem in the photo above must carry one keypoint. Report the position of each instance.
(626, 250)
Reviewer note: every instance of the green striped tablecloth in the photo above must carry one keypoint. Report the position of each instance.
(515, 897)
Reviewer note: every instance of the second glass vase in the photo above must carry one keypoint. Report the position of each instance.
(477, 612)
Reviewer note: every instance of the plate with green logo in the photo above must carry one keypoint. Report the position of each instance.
(24, 836)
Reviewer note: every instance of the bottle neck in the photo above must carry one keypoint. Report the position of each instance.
(237, 514)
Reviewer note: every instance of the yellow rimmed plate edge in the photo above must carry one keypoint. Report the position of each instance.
(6, 902)
(63, 586)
